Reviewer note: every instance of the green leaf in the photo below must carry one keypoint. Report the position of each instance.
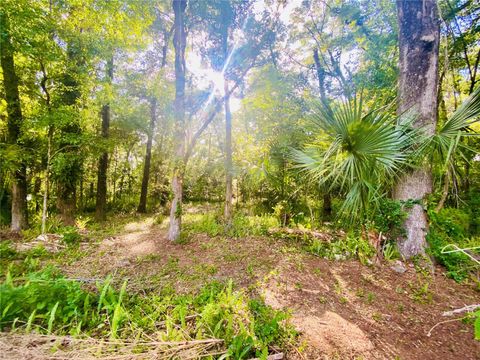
(52, 317)
(477, 325)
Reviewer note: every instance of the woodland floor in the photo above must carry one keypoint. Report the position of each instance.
(344, 310)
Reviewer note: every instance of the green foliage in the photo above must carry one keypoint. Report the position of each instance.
(202, 223)
(269, 325)
(358, 151)
(473, 204)
(70, 235)
(242, 225)
(7, 252)
(450, 226)
(390, 251)
(389, 217)
(349, 247)
(477, 325)
(454, 222)
(47, 302)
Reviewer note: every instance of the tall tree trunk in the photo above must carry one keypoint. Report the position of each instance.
(100, 211)
(14, 124)
(228, 160)
(419, 41)
(66, 203)
(47, 179)
(179, 42)
(70, 169)
(142, 206)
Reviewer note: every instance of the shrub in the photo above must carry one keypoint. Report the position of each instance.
(458, 265)
(473, 204)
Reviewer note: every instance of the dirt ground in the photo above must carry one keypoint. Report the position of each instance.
(344, 310)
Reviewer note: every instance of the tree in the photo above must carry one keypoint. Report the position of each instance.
(142, 206)
(227, 16)
(419, 35)
(153, 104)
(68, 163)
(15, 120)
(103, 161)
(179, 43)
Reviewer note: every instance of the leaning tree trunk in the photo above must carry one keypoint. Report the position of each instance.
(419, 41)
(101, 203)
(142, 206)
(15, 119)
(179, 42)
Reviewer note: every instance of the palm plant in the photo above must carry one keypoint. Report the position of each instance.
(356, 151)
(362, 152)
(446, 145)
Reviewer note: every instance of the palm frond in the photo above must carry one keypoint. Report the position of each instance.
(461, 120)
(358, 153)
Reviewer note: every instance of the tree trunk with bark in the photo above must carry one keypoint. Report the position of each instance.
(142, 206)
(419, 41)
(68, 158)
(321, 78)
(14, 124)
(101, 203)
(179, 42)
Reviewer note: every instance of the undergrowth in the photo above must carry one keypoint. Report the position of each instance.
(45, 301)
(212, 225)
(340, 249)
(451, 227)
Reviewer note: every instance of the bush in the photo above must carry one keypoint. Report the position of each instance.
(473, 204)
(458, 265)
